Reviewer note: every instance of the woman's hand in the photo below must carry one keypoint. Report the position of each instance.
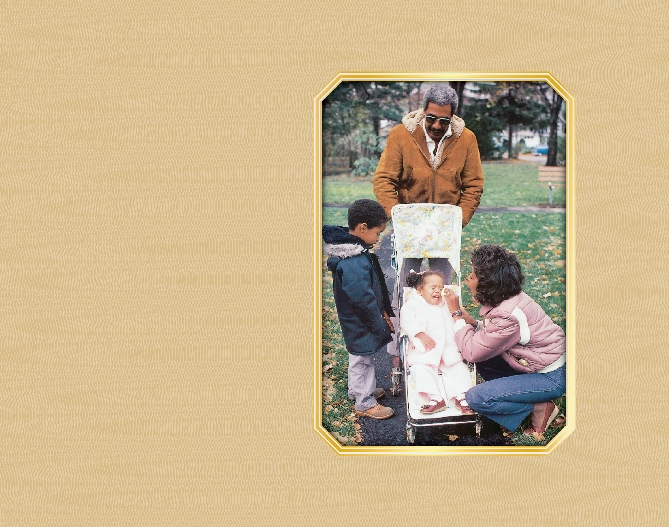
(452, 300)
(426, 341)
(468, 318)
(453, 303)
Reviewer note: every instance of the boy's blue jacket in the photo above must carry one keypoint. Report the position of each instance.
(360, 291)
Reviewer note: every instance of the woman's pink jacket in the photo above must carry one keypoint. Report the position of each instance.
(527, 345)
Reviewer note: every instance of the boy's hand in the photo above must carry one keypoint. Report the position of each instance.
(390, 323)
(426, 341)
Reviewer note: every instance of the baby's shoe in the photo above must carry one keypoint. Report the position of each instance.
(433, 406)
(463, 406)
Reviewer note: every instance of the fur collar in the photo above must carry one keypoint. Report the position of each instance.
(340, 243)
(343, 250)
(412, 120)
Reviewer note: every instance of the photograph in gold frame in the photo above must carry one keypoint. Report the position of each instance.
(347, 445)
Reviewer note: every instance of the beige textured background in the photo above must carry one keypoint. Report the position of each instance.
(156, 233)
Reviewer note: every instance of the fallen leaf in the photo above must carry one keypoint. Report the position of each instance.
(452, 437)
(539, 438)
(342, 439)
(560, 263)
(328, 408)
(547, 295)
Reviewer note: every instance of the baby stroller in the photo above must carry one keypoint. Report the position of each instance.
(425, 230)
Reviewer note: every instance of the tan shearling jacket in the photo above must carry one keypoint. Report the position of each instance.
(406, 175)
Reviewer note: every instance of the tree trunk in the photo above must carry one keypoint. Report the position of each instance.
(459, 87)
(510, 141)
(555, 107)
(377, 132)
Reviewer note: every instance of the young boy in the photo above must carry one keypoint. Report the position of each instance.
(362, 300)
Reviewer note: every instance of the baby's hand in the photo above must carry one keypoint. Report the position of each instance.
(426, 341)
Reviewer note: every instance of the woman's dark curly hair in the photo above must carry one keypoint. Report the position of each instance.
(499, 274)
(416, 280)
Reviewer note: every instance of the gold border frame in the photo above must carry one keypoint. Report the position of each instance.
(570, 246)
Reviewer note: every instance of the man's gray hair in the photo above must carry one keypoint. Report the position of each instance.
(441, 95)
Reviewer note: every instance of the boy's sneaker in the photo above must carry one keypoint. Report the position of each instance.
(376, 412)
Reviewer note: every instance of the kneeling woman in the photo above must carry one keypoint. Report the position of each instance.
(517, 348)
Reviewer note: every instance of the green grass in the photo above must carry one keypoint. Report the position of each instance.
(506, 185)
(515, 185)
(335, 216)
(538, 239)
(346, 189)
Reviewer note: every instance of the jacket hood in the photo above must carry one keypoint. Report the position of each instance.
(340, 243)
(412, 120)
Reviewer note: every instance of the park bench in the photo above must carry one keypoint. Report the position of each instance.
(553, 177)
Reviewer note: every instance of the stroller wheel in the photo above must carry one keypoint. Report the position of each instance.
(479, 425)
(411, 434)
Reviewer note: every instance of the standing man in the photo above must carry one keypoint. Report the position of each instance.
(430, 158)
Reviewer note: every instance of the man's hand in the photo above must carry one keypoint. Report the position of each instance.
(426, 341)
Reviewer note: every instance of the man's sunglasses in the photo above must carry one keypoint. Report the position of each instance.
(443, 121)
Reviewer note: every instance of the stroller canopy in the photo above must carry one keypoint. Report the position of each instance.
(427, 230)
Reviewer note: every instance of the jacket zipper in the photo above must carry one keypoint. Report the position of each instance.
(434, 184)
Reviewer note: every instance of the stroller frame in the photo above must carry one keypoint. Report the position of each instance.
(402, 250)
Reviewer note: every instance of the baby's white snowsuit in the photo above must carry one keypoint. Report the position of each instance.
(418, 316)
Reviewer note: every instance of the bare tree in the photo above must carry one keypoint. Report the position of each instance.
(459, 87)
(553, 103)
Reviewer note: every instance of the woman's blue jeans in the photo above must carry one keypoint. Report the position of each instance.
(508, 396)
